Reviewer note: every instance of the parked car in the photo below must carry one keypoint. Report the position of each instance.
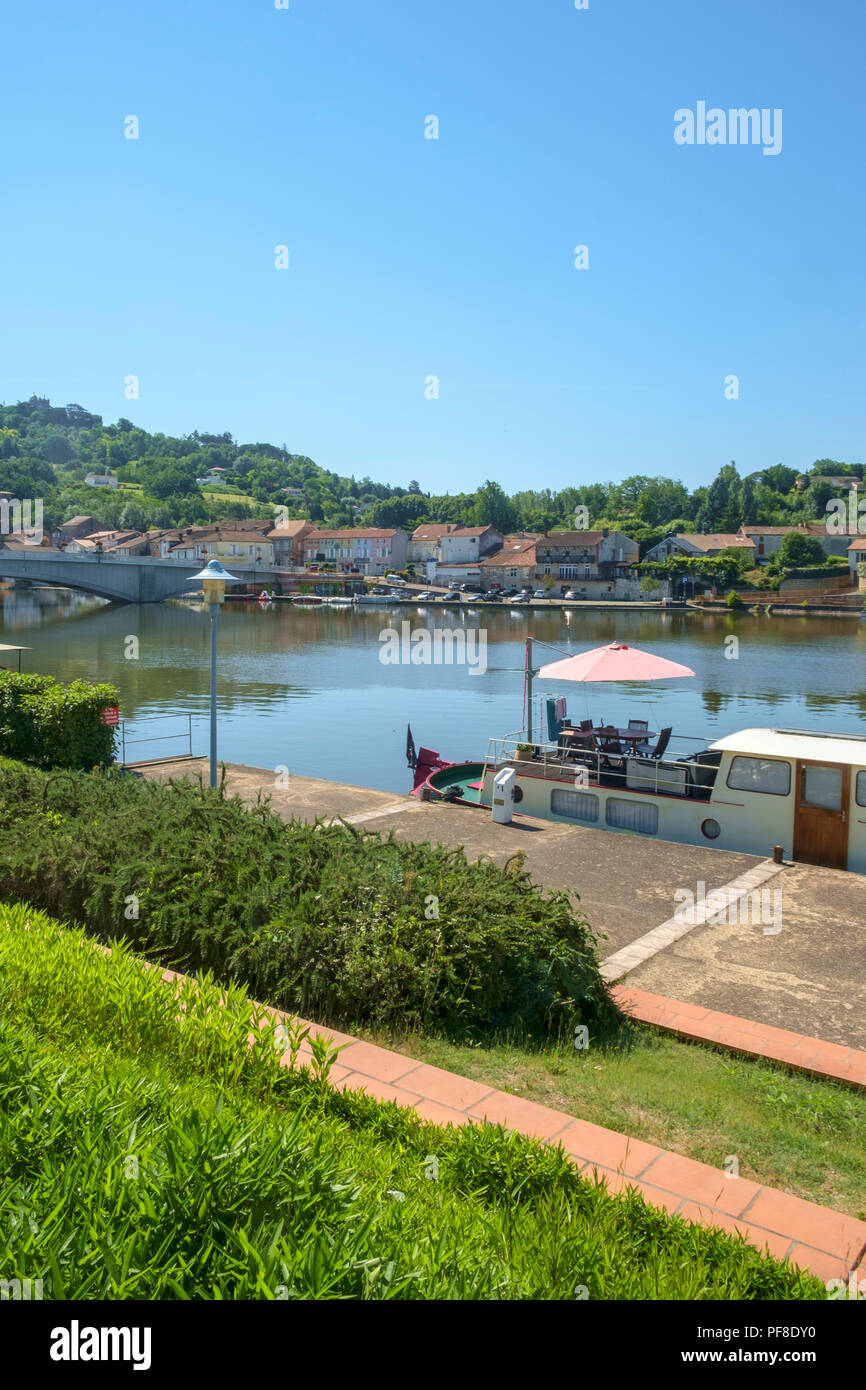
(394, 579)
(451, 598)
(491, 598)
(423, 597)
(471, 596)
(571, 594)
(540, 593)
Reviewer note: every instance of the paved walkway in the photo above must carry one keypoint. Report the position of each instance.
(829, 1243)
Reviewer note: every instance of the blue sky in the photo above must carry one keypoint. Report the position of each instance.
(454, 257)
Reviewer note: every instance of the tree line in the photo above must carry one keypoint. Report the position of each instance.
(47, 450)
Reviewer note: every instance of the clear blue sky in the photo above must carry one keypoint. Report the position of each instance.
(454, 257)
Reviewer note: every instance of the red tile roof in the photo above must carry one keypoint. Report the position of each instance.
(722, 540)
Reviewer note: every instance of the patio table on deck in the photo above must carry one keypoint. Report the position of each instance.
(607, 733)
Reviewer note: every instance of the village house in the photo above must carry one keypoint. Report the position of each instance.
(510, 567)
(288, 541)
(230, 546)
(767, 539)
(101, 480)
(127, 546)
(424, 541)
(466, 545)
(844, 482)
(371, 551)
(213, 476)
(78, 526)
(452, 576)
(108, 542)
(857, 556)
(573, 559)
(706, 546)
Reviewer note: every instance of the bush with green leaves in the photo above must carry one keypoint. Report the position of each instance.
(53, 723)
(149, 1152)
(326, 920)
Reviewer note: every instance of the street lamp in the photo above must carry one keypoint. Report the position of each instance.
(213, 579)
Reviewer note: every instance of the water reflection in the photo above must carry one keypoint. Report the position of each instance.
(305, 687)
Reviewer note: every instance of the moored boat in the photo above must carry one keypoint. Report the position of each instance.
(746, 792)
(803, 790)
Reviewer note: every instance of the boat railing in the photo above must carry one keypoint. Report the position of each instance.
(679, 772)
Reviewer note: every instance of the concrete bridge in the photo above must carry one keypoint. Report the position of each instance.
(138, 579)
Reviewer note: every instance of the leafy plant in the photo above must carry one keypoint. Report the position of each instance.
(322, 920)
(55, 724)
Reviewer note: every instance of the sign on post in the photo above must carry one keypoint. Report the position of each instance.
(110, 715)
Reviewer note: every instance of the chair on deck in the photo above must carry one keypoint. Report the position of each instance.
(663, 741)
(642, 725)
(613, 757)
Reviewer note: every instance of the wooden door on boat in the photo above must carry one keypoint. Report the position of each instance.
(821, 814)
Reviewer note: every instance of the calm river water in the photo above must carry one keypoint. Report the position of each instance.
(306, 689)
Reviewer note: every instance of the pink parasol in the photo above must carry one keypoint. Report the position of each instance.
(616, 662)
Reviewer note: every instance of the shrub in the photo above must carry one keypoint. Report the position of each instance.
(323, 920)
(53, 724)
(733, 600)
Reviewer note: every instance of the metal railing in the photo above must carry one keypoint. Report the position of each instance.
(155, 738)
(670, 775)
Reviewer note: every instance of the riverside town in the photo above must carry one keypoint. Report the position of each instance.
(432, 679)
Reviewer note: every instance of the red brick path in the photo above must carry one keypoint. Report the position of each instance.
(826, 1242)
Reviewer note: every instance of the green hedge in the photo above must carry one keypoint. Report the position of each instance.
(52, 724)
(827, 571)
(324, 920)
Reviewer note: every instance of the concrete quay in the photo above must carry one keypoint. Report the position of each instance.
(808, 978)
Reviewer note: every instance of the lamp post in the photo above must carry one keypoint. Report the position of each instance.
(213, 579)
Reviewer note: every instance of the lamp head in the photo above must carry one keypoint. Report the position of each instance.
(213, 579)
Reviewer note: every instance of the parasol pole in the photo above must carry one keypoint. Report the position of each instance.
(528, 689)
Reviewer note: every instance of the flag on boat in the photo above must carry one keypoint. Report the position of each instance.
(411, 755)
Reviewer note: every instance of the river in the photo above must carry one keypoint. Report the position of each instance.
(306, 689)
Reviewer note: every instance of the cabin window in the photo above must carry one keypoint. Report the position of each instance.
(768, 775)
(822, 786)
(641, 816)
(576, 805)
(860, 793)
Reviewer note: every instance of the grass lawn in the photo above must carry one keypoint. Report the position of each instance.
(789, 1131)
(152, 1147)
(225, 494)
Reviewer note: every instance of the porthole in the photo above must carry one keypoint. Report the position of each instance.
(711, 828)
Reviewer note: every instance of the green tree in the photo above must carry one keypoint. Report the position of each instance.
(721, 510)
(493, 508)
(799, 549)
